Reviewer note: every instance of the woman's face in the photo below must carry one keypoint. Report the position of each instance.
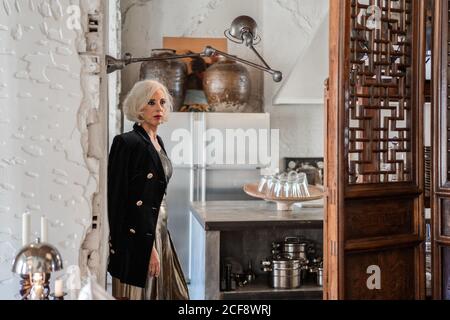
(154, 111)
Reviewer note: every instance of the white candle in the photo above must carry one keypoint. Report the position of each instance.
(37, 290)
(44, 229)
(26, 225)
(59, 291)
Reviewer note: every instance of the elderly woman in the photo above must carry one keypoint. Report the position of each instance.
(142, 260)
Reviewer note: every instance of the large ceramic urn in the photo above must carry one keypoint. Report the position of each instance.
(172, 73)
(227, 85)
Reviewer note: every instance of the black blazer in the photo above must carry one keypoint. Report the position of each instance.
(136, 187)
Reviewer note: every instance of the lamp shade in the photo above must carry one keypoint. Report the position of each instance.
(241, 27)
(37, 258)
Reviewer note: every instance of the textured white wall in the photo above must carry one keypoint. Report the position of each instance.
(145, 23)
(287, 28)
(51, 142)
(114, 79)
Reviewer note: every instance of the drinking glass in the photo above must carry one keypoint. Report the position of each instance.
(303, 184)
(280, 186)
(271, 184)
(263, 184)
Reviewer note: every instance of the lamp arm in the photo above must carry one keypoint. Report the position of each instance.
(259, 56)
(175, 56)
(118, 64)
(276, 75)
(113, 64)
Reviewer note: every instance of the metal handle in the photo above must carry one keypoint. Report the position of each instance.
(266, 263)
(287, 239)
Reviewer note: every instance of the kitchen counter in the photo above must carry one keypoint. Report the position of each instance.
(235, 228)
(227, 215)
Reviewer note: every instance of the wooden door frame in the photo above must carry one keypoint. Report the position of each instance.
(333, 228)
(440, 188)
(336, 187)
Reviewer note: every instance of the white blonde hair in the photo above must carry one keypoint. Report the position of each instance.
(140, 95)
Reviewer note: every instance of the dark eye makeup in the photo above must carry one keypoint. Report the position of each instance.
(152, 102)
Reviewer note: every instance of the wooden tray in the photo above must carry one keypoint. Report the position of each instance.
(284, 203)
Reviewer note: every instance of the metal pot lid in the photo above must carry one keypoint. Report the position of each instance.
(297, 240)
(286, 261)
(277, 245)
(289, 268)
(301, 246)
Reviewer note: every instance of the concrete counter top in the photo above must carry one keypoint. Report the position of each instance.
(231, 215)
(235, 228)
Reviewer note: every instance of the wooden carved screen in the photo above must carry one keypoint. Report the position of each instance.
(374, 153)
(441, 152)
(379, 104)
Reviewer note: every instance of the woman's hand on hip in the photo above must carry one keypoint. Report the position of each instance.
(155, 265)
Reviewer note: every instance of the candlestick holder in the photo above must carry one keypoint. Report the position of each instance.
(34, 263)
(54, 297)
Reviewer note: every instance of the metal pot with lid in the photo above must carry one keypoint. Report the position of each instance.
(293, 247)
(285, 272)
(316, 268)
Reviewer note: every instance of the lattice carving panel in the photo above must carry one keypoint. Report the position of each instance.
(379, 105)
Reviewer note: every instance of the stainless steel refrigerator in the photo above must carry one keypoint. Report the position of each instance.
(201, 176)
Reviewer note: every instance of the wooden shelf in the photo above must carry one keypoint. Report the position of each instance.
(261, 290)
